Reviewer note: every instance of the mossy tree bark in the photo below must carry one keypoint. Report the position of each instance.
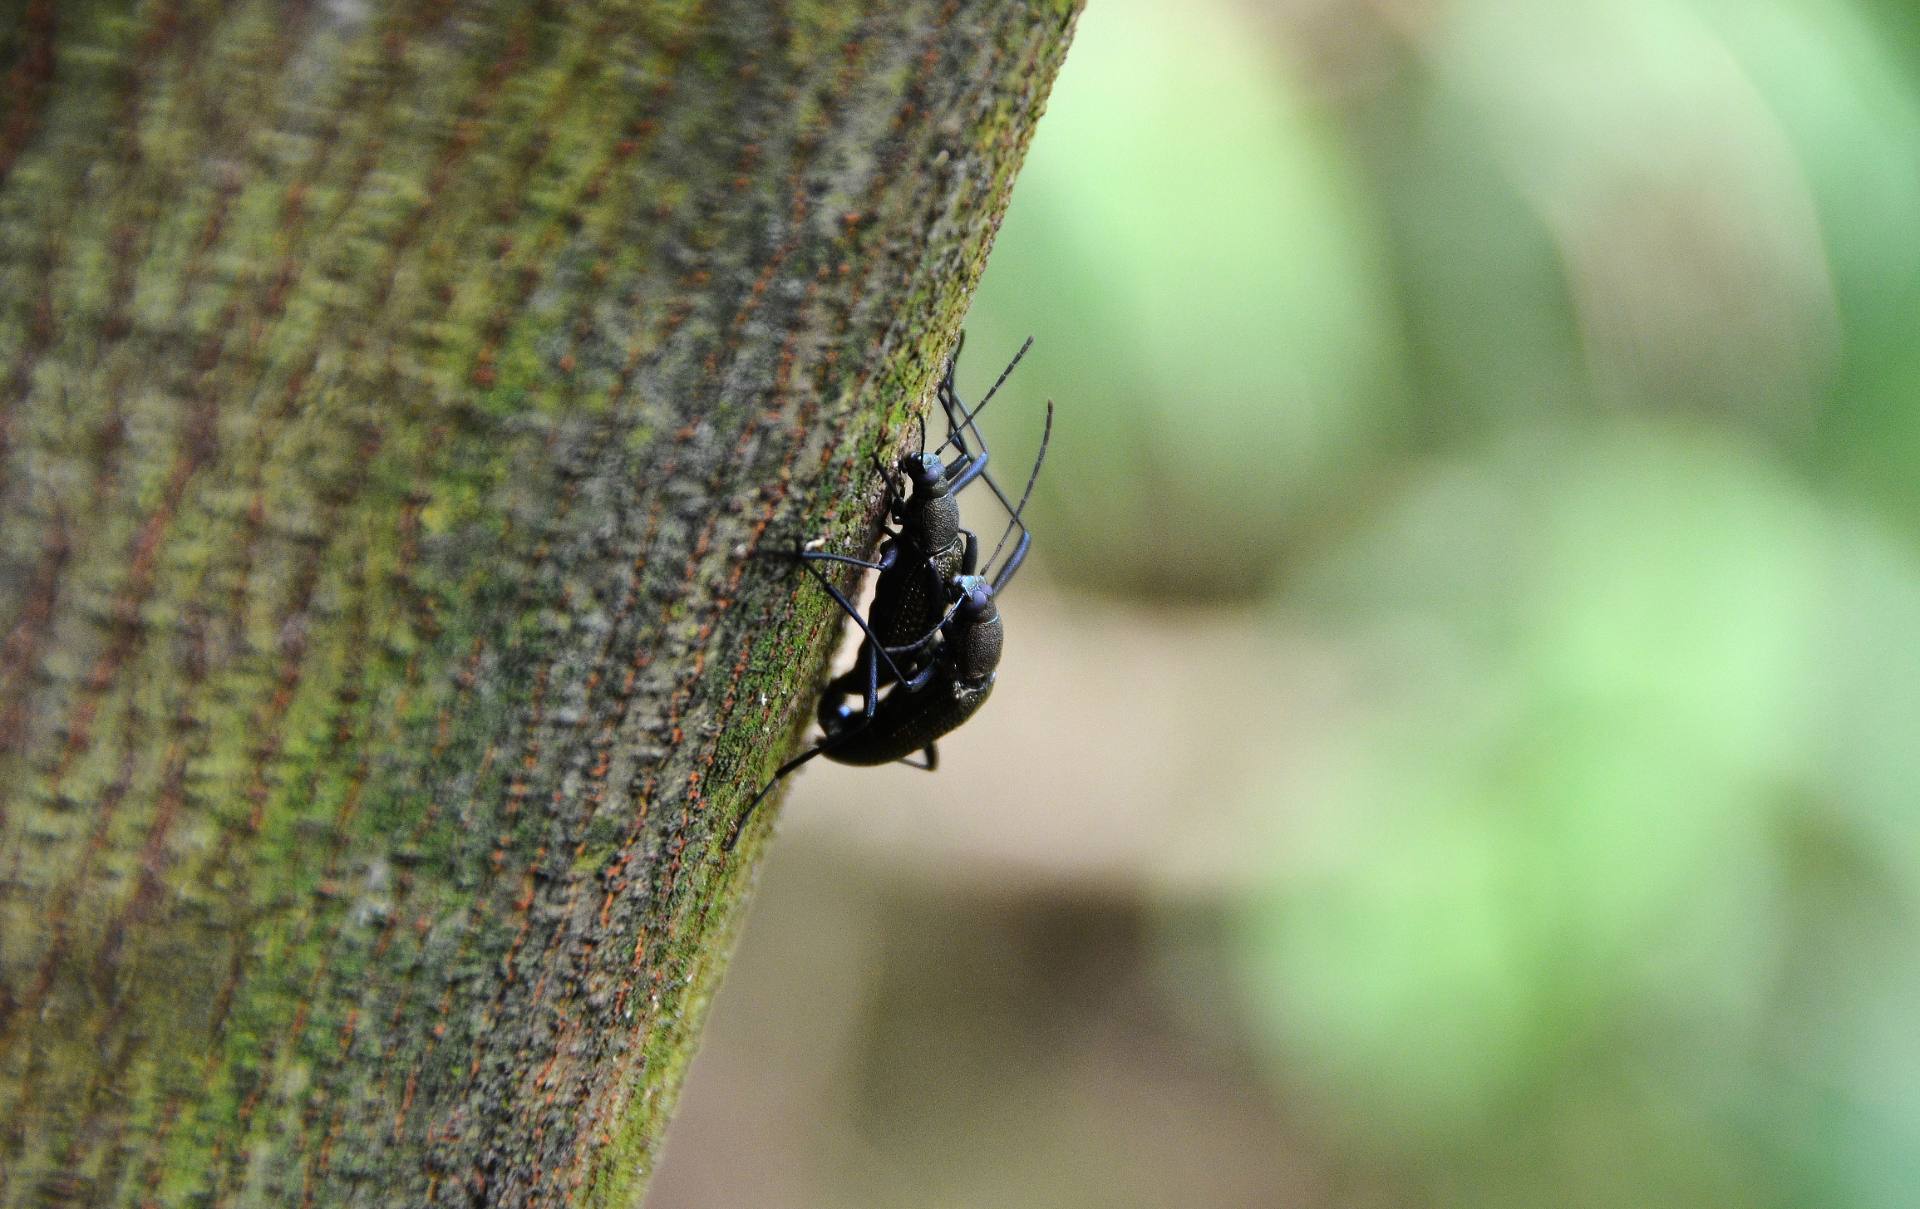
(392, 395)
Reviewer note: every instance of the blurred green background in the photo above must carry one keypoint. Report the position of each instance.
(1461, 722)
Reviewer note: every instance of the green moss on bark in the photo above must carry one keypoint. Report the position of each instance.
(391, 398)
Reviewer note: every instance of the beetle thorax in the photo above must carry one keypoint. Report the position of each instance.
(931, 522)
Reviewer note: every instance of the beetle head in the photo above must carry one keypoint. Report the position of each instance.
(926, 472)
(976, 597)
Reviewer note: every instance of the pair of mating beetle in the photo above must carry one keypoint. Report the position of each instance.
(932, 636)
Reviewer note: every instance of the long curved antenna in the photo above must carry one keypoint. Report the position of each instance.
(947, 393)
(930, 635)
(967, 417)
(1005, 575)
(848, 607)
(780, 774)
(827, 743)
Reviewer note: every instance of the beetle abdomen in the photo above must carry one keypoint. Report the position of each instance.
(906, 722)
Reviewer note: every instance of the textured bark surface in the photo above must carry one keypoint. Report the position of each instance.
(391, 395)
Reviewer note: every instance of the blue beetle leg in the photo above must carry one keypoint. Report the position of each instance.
(968, 469)
(1014, 517)
(874, 651)
(1019, 555)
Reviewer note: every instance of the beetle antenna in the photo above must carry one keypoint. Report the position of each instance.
(853, 611)
(949, 395)
(780, 774)
(967, 417)
(1014, 520)
(921, 642)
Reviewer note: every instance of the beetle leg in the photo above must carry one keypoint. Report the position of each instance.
(1014, 519)
(1005, 575)
(929, 759)
(966, 470)
(874, 651)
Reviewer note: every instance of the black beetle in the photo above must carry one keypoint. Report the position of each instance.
(933, 635)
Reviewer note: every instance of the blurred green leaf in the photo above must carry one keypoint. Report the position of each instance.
(1567, 849)
(1203, 281)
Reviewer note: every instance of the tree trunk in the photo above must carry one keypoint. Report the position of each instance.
(392, 395)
